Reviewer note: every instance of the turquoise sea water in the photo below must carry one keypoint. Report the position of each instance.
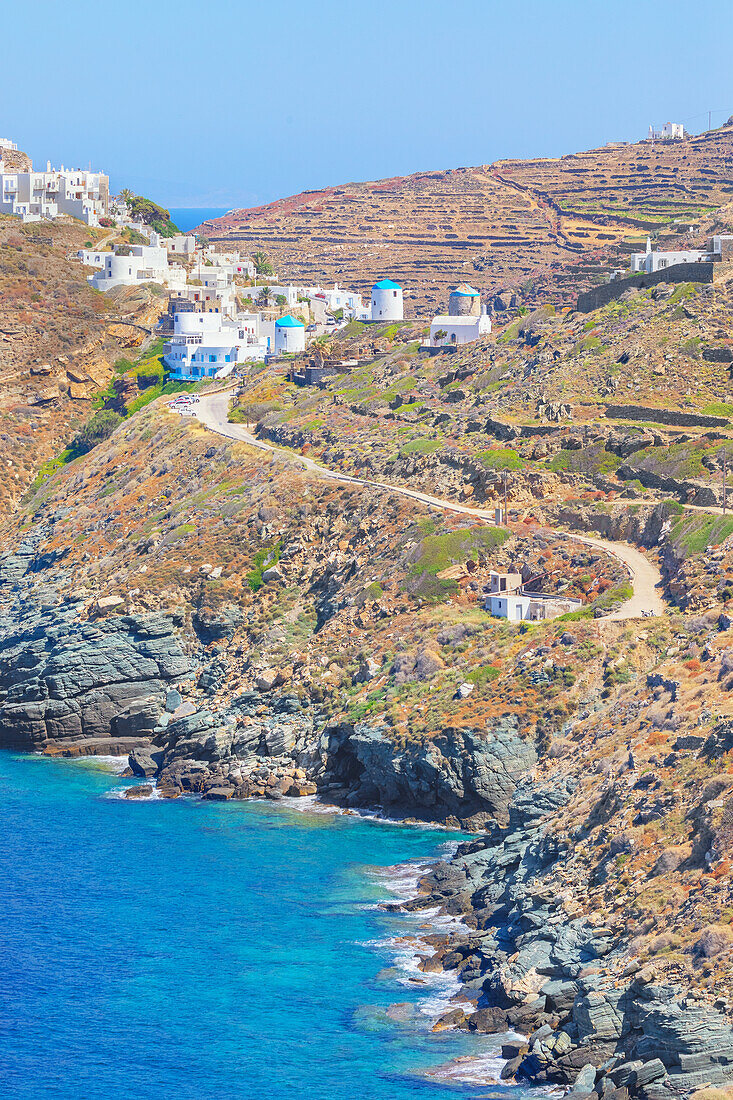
(209, 951)
(188, 217)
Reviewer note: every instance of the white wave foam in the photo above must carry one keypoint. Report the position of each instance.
(121, 792)
(313, 803)
(470, 1069)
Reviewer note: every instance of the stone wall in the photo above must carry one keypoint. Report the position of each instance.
(665, 416)
(678, 273)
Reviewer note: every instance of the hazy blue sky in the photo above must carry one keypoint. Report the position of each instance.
(230, 102)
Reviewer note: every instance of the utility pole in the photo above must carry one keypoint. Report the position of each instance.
(506, 510)
(710, 120)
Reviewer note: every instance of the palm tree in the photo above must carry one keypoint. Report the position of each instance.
(264, 295)
(262, 264)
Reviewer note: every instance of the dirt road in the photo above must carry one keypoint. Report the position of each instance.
(212, 411)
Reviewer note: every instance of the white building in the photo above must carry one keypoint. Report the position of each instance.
(143, 264)
(458, 330)
(336, 298)
(230, 262)
(32, 195)
(91, 258)
(205, 345)
(6, 143)
(669, 131)
(289, 336)
(212, 299)
(387, 304)
(718, 249)
(507, 599)
(182, 246)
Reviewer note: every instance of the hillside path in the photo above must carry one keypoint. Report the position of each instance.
(212, 411)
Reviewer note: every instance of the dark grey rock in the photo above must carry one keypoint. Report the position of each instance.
(65, 679)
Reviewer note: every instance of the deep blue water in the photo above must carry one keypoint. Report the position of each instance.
(188, 217)
(202, 950)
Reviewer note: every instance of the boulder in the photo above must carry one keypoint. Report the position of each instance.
(219, 794)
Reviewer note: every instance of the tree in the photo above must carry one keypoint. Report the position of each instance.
(150, 213)
(262, 264)
(440, 336)
(264, 295)
(281, 300)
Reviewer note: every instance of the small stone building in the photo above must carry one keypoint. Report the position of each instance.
(464, 301)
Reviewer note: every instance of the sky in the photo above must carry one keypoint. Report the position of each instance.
(227, 103)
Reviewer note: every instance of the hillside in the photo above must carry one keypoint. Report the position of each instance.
(244, 625)
(548, 226)
(58, 343)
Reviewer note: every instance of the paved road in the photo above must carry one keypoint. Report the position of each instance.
(212, 411)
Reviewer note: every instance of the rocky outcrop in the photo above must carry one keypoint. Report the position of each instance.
(462, 776)
(66, 680)
(596, 1021)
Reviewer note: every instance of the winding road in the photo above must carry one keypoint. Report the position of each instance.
(212, 411)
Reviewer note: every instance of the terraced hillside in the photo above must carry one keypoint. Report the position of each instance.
(541, 225)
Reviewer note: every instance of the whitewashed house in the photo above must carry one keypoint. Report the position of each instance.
(206, 345)
(650, 261)
(142, 264)
(669, 131)
(448, 330)
(230, 262)
(6, 143)
(182, 246)
(92, 258)
(508, 599)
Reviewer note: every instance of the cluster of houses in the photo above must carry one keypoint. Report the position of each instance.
(671, 131)
(33, 196)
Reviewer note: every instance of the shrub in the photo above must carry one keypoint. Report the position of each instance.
(98, 428)
(483, 675)
(503, 458)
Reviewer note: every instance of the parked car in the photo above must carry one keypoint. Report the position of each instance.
(311, 328)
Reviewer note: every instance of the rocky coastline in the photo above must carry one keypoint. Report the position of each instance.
(596, 1020)
(601, 1018)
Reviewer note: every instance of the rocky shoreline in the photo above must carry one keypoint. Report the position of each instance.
(596, 1020)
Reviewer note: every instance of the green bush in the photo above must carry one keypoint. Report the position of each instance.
(421, 447)
(483, 675)
(438, 552)
(263, 559)
(502, 459)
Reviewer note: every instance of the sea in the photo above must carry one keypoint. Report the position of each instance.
(155, 948)
(188, 217)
